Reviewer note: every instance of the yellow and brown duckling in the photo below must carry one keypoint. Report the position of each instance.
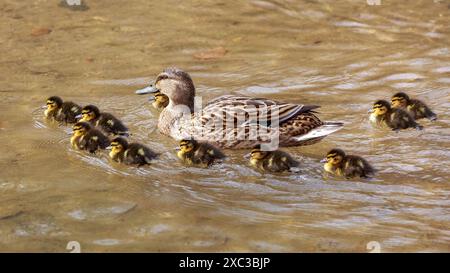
(416, 108)
(130, 153)
(340, 164)
(105, 121)
(160, 101)
(272, 161)
(85, 137)
(197, 153)
(383, 114)
(60, 111)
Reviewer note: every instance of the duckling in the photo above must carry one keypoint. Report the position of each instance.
(85, 137)
(394, 118)
(107, 122)
(193, 152)
(130, 153)
(160, 101)
(416, 108)
(62, 111)
(338, 163)
(272, 161)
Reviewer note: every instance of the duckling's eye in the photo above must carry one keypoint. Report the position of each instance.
(330, 156)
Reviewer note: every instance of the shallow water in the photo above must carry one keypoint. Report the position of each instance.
(341, 56)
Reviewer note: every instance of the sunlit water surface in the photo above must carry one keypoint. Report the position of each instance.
(342, 56)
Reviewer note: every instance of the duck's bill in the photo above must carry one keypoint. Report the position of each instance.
(151, 99)
(44, 107)
(370, 111)
(78, 116)
(177, 148)
(108, 148)
(323, 160)
(147, 90)
(247, 156)
(69, 132)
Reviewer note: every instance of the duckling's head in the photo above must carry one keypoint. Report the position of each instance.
(161, 100)
(89, 112)
(187, 145)
(400, 100)
(54, 103)
(335, 157)
(81, 128)
(381, 107)
(258, 154)
(118, 145)
(177, 85)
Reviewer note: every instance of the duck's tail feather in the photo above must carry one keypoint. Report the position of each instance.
(320, 132)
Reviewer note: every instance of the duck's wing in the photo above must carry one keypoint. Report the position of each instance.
(253, 110)
(242, 122)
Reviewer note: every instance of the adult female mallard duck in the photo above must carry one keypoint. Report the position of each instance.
(416, 108)
(235, 122)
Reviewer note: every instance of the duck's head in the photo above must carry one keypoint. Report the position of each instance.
(118, 145)
(258, 154)
(334, 157)
(89, 112)
(175, 84)
(187, 145)
(399, 100)
(54, 103)
(381, 107)
(81, 128)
